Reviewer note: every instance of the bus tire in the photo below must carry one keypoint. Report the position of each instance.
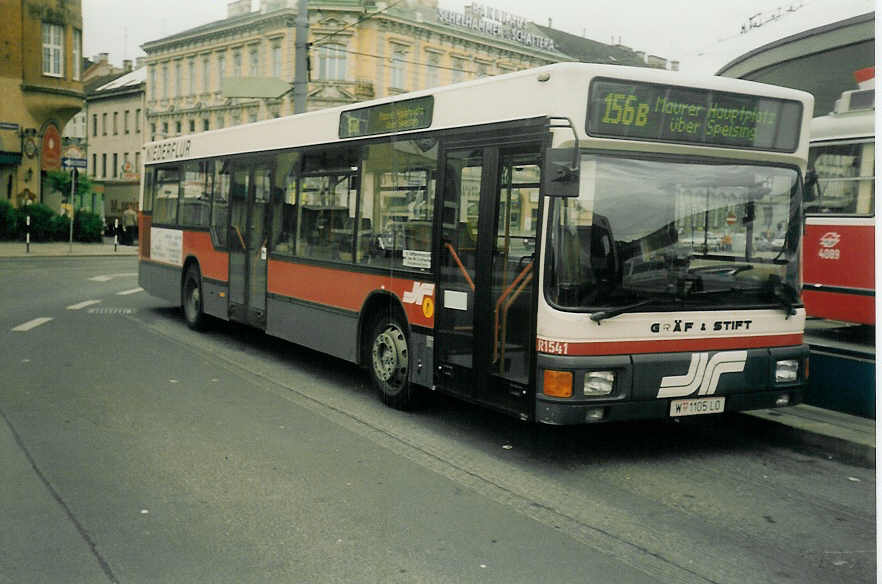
(191, 299)
(389, 362)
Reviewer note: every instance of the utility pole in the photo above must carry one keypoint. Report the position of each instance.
(301, 56)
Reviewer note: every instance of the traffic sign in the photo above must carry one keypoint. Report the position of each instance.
(73, 162)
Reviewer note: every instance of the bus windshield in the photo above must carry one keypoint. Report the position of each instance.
(668, 234)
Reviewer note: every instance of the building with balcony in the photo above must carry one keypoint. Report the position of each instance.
(42, 88)
(359, 49)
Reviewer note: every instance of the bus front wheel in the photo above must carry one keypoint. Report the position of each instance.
(389, 363)
(191, 297)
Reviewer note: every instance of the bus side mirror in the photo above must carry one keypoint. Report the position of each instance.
(810, 187)
(560, 176)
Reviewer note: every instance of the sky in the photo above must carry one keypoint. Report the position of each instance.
(702, 34)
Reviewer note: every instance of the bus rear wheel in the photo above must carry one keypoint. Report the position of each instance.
(191, 297)
(389, 363)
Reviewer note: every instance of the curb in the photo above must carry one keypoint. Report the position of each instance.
(851, 438)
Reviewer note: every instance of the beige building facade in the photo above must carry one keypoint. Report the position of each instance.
(41, 85)
(115, 133)
(359, 49)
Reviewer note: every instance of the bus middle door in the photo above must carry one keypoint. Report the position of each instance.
(250, 196)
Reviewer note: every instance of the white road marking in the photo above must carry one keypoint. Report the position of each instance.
(109, 277)
(24, 327)
(83, 304)
(132, 291)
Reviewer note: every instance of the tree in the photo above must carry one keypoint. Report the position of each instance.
(60, 181)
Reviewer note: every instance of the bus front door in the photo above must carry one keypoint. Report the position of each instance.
(250, 196)
(485, 322)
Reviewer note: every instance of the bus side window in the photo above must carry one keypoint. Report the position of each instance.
(220, 206)
(284, 216)
(165, 205)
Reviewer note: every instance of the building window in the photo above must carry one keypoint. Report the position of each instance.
(237, 63)
(104, 165)
(115, 165)
(252, 116)
(433, 70)
(178, 127)
(165, 81)
(458, 69)
(115, 125)
(152, 82)
(219, 121)
(94, 165)
(179, 88)
(332, 62)
(191, 66)
(77, 53)
(277, 59)
(138, 121)
(206, 73)
(254, 61)
(192, 126)
(152, 131)
(221, 70)
(126, 122)
(397, 69)
(205, 125)
(104, 124)
(53, 50)
(236, 117)
(482, 70)
(138, 163)
(164, 130)
(94, 124)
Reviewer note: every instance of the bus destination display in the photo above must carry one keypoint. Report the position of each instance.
(399, 116)
(648, 111)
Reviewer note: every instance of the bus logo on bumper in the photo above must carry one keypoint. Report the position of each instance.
(703, 374)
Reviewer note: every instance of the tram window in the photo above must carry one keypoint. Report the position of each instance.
(845, 179)
(220, 205)
(284, 216)
(165, 209)
(398, 202)
(196, 191)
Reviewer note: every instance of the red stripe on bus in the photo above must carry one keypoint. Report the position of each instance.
(213, 264)
(673, 345)
(343, 289)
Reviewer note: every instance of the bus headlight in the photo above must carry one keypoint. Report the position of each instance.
(599, 383)
(786, 370)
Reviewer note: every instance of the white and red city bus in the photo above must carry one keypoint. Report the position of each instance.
(839, 277)
(570, 244)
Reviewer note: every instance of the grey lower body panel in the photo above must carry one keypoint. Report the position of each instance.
(327, 330)
(214, 298)
(161, 281)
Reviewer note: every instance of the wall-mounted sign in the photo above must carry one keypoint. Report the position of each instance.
(495, 23)
(50, 157)
(668, 113)
(398, 116)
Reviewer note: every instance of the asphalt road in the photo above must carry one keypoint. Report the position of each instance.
(136, 450)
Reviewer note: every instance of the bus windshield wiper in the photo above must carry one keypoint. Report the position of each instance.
(604, 314)
(784, 292)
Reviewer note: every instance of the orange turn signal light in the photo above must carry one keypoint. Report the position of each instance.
(557, 383)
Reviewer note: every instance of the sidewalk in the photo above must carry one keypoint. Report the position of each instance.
(18, 249)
